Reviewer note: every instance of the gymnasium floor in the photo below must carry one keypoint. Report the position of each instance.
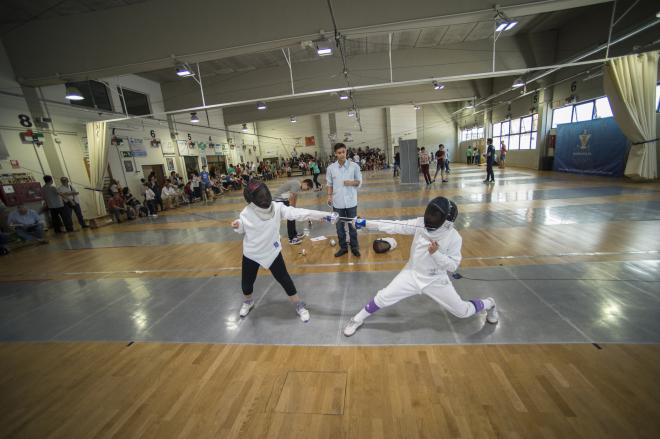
(132, 330)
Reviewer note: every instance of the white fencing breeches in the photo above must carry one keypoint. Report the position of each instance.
(405, 285)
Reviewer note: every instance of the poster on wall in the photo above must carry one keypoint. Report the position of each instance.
(310, 141)
(594, 147)
(137, 147)
(170, 164)
(14, 164)
(168, 147)
(183, 147)
(128, 166)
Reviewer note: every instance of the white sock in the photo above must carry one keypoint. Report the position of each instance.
(363, 314)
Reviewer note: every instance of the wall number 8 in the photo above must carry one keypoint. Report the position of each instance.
(24, 120)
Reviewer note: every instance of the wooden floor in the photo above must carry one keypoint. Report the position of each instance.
(87, 390)
(154, 390)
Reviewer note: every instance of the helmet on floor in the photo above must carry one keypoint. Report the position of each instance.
(257, 192)
(383, 245)
(453, 212)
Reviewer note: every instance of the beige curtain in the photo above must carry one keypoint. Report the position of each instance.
(98, 144)
(630, 86)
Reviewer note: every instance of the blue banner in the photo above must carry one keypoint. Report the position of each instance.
(595, 147)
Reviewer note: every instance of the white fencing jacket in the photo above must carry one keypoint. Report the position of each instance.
(426, 268)
(261, 240)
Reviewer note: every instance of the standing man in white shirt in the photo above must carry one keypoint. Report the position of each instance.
(71, 200)
(343, 179)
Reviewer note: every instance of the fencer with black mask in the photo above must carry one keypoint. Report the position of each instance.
(435, 251)
(259, 223)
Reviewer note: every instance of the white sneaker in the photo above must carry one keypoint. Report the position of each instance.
(302, 311)
(492, 316)
(246, 308)
(351, 327)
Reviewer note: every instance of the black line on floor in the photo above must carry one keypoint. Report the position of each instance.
(130, 344)
(597, 346)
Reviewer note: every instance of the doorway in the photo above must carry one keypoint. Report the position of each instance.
(158, 170)
(217, 164)
(191, 164)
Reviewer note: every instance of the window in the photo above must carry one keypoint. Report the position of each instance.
(657, 98)
(471, 134)
(593, 109)
(603, 108)
(95, 93)
(583, 112)
(137, 103)
(518, 133)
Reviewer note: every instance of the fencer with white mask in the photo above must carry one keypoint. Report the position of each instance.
(435, 251)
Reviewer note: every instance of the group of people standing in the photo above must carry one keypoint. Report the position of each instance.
(442, 164)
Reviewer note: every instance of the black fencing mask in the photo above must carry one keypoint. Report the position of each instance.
(256, 192)
(383, 245)
(436, 213)
(453, 212)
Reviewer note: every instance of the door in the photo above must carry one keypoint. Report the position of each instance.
(159, 170)
(191, 164)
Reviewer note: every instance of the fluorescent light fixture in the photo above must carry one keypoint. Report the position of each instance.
(292, 119)
(244, 129)
(501, 26)
(323, 48)
(183, 71)
(194, 118)
(261, 105)
(417, 107)
(343, 96)
(73, 94)
(438, 86)
(511, 25)
(518, 83)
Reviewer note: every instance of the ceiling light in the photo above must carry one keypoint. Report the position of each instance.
(518, 83)
(292, 119)
(183, 71)
(343, 96)
(501, 26)
(244, 129)
(194, 118)
(351, 113)
(323, 48)
(261, 105)
(417, 107)
(511, 25)
(73, 94)
(438, 86)
(657, 14)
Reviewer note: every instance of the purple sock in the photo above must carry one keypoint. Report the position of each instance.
(478, 304)
(371, 307)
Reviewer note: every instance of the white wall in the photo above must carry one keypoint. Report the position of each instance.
(403, 123)
(435, 126)
(373, 132)
(292, 134)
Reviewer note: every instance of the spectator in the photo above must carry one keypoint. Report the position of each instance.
(397, 164)
(424, 160)
(59, 215)
(71, 200)
(150, 200)
(502, 154)
(287, 194)
(440, 157)
(468, 155)
(118, 207)
(134, 203)
(27, 224)
(490, 158)
(314, 167)
(169, 195)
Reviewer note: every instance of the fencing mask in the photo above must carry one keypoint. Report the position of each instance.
(257, 192)
(436, 213)
(453, 212)
(383, 245)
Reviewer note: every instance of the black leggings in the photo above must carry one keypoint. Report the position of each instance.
(316, 180)
(278, 268)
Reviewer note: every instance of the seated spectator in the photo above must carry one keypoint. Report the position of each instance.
(27, 224)
(133, 202)
(4, 239)
(169, 195)
(118, 207)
